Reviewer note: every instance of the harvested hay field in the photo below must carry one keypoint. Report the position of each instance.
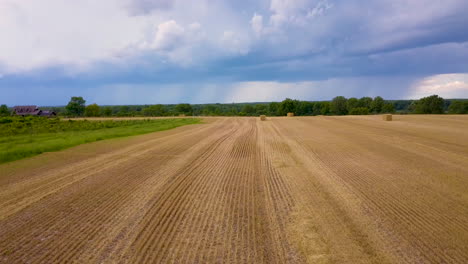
(350, 189)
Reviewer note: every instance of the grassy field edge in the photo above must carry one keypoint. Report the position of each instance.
(23, 146)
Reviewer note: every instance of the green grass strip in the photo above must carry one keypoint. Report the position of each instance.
(22, 146)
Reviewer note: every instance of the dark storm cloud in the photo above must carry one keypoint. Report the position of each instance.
(221, 43)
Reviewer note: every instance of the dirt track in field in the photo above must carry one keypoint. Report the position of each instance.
(238, 190)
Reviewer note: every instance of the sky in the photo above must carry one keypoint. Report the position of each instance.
(224, 51)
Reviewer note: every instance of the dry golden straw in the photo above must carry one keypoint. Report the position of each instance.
(387, 117)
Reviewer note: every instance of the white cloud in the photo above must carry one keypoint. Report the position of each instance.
(175, 42)
(296, 12)
(319, 9)
(444, 85)
(38, 34)
(78, 34)
(235, 43)
(169, 35)
(257, 24)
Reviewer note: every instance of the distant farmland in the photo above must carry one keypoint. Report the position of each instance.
(342, 189)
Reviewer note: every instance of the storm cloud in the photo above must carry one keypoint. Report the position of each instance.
(168, 51)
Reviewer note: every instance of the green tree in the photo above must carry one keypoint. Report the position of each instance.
(352, 103)
(317, 108)
(218, 110)
(273, 109)
(359, 111)
(338, 106)
(107, 111)
(402, 105)
(365, 102)
(288, 106)
(458, 107)
(388, 108)
(76, 106)
(429, 105)
(185, 109)
(248, 109)
(261, 109)
(154, 110)
(4, 110)
(305, 108)
(233, 111)
(92, 110)
(377, 105)
(124, 110)
(325, 108)
(210, 110)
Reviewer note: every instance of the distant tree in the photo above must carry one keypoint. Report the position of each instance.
(273, 109)
(261, 109)
(184, 109)
(352, 103)
(365, 102)
(92, 110)
(107, 111)
(402, 105)
(123, 110)
(325, 108)
(377, 104)
(154, 110)
(288, 106)
(388, 108)
(233, 111)
(429, 105)
(447, 104)
(338, 106)
(57, 109)
(76, 106)
(210, 110)
(305, 108)
(4, 110)
(359, 111)
(138, 108)
(458, 107)
(316, 110)
(248, 109)
(217, 110)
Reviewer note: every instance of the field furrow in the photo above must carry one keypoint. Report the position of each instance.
(348, 189)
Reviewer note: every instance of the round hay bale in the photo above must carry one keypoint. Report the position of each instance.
(263, 117)
(387, 117)
(290, 114)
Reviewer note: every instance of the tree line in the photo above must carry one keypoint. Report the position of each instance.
(339, 105)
